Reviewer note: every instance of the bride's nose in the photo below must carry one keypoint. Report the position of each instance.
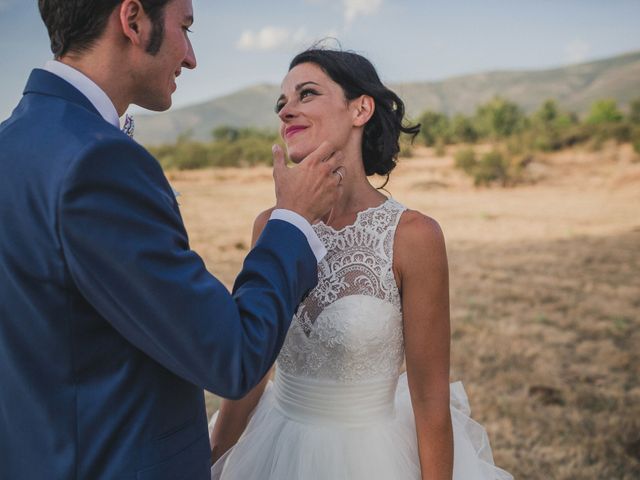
(288, 111)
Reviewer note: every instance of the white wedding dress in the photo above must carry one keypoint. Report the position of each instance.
(338, 407)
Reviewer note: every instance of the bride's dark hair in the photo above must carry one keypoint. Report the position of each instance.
(357, 76)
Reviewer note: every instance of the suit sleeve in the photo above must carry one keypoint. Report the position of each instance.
(128, 253)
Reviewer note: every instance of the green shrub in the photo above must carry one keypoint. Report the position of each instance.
(465, 160)
(620, 132)
(635, 139)
(604, 111)
(225, 133)
(434, 126)
(634, 112)
(549, 127)
(492, 167)
(599, 133)
(182, 156)
(463, 130)
(520, 143)
(232, 147)
(499, 118)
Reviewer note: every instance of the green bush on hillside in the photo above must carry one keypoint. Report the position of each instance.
(549, 128)
(604, 111)
(499, 118)
(634, 112)
(635, 139)
(434, 127)
(492, 167)
(465, 160)
(463, 129)
(231, 147)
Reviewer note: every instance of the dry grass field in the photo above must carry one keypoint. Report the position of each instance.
(545, 283)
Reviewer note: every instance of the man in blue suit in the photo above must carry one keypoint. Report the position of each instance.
(110, 326)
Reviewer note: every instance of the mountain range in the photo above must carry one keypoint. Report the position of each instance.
(574, 87)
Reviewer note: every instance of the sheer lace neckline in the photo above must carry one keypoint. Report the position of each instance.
(349, 327)
(358, 219)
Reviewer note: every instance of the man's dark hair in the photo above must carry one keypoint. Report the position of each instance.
(75, 25)
(357, 76)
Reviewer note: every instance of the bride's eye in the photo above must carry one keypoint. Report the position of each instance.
(279, 106)
(307, 92)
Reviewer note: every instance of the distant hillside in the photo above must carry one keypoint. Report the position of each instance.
(575, 87)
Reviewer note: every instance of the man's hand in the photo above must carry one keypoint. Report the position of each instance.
(311, 188)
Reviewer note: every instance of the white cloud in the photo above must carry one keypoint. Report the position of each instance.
(356, 8)
(270, 38)
(577, 51)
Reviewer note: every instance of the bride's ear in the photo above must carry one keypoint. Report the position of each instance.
(363, 108)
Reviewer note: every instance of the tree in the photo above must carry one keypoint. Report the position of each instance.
(547, 113)
(499, 118)
(434, 126)
(604, 111)
(634, 111)
(462, 129)
(225, 133)
(549, 124)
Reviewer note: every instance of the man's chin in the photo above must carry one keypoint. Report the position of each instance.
(156, 105)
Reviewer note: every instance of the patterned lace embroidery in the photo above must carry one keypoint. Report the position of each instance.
(350, 326)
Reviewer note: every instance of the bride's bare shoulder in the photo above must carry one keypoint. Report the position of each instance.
(261, 221)
(418, 236)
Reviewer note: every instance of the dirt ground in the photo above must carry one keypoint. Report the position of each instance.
(545, 285)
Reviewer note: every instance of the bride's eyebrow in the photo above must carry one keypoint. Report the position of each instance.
(299, 87)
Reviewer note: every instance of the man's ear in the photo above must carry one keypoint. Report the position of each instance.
(363, 108)
(133, 21)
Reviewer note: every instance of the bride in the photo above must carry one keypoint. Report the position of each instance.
(339, 407)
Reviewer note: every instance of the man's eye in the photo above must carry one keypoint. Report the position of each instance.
(188, 30)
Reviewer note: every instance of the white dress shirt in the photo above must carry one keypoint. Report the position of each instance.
(107, 110)
(88, 88)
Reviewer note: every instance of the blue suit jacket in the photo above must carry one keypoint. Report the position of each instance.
(110, 326)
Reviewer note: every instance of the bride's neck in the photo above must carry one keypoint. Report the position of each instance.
(356, 194)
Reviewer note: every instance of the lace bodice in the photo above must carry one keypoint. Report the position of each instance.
(349, 328)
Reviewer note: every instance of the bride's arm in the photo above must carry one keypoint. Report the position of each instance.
(420, 263)
(233, 415)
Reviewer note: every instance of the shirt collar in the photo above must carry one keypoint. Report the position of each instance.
(88, 88)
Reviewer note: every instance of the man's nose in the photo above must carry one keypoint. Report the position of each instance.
(190, 59)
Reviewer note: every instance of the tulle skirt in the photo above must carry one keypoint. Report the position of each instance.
(301, 431)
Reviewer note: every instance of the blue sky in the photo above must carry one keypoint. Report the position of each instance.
(242, 43)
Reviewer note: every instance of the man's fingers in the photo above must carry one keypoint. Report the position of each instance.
(334, 161)
(279, 162)
(320, 154)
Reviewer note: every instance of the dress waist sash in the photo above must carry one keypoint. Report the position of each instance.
(324, 402)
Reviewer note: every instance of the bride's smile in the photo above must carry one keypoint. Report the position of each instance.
(313, 108)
